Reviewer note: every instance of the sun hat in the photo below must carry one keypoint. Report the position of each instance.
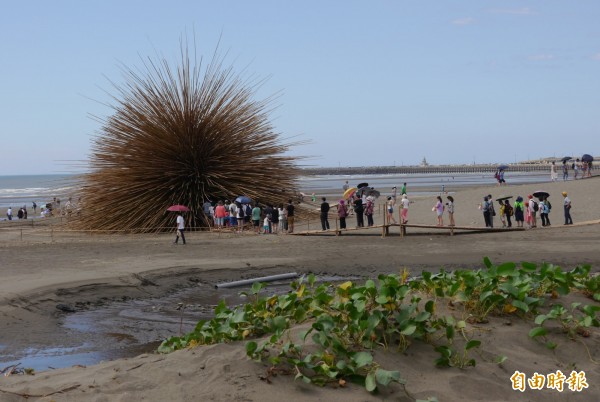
(564, 193)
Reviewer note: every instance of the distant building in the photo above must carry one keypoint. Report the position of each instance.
(424, 162)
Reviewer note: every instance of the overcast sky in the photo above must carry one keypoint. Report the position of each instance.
(366, 82)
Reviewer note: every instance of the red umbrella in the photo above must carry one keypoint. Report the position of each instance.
(178, 208)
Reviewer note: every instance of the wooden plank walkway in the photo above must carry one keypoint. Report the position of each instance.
(453, 228)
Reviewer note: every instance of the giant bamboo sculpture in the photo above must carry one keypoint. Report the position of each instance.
(181, 136)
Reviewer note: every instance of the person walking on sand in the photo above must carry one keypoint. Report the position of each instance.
(390, 210)
(450, 208)
(325, 214)
(553, 174)
(404, 205)
(438, 208)
(567, 208)
(34, 207)
(346, 186)
(180, 229)
(342, 213)
(519, 209)
(403, 189)
(9, 213)
(565, 170)
(575, 167)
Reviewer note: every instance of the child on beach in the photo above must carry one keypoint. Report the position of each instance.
(266, 225)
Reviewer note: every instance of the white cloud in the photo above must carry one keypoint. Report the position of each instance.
(463, 21)
(541, 57)
(513, 11)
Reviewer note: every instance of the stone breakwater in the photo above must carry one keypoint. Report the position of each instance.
(440, 169)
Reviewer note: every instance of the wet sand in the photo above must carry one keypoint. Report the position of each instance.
(44, 270)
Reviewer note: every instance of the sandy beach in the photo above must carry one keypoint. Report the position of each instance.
(42, 267)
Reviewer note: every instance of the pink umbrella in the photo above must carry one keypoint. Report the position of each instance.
(178, 208)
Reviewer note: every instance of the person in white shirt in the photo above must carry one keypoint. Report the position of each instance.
(405, 203)
(9, 213)
(180, 229)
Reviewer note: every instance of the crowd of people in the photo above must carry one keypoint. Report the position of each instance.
(261, 218)
(54, 208)
(273, 219)
(581, 169)
(525, 212)
(21, 214)
(361, 204)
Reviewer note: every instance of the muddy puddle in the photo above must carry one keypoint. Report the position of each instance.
(128, 328)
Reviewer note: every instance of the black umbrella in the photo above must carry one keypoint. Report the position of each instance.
(361, 185)
(502, 167)
(504, 198)
(566, 158)
(587, 158)
(541, 194)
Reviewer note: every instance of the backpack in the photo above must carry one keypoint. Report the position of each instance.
(549, 205)
(536, 207)
(248, 210)
(241, 212)
(509, 210)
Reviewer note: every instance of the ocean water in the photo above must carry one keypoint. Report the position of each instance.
(16, 191)
(417, 184)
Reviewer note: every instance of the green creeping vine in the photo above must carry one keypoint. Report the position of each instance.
(348, 322)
